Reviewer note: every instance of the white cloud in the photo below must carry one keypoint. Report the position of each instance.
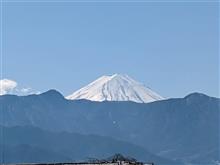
(26, 91)
(6, 86)
(11, 87)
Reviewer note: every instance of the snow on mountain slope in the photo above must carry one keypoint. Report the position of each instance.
(116, 88)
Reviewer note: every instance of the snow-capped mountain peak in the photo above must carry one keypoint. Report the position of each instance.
(116, 87)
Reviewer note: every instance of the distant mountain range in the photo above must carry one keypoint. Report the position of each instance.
(32, 144)
(116, 87)
(183, 130)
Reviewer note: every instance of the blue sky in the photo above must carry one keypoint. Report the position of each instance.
(170, 47)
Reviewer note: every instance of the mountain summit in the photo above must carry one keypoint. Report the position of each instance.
(116, 87)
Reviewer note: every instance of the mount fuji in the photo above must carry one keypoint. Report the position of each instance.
(116, 87)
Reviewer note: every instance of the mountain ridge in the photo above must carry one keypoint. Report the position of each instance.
(175, 128)
(64, 146)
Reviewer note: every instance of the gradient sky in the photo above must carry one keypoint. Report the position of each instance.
(170, 47)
